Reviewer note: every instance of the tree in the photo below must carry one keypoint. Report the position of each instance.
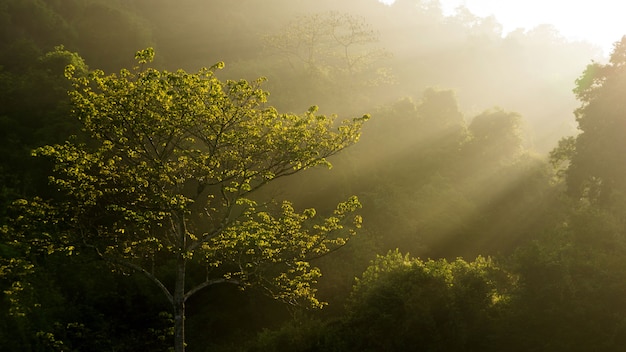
(496, 135)
(570, 287)
(34, 109)
(401, 302)
(595, 168)
(333, 56)
(168, 184)
(328, 43)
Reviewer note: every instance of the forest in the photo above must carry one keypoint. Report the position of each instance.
(306, 176)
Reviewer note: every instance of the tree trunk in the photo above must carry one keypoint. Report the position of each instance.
(179, 305)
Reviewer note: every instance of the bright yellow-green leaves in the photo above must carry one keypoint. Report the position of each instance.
(285, 241)
(171, 167)
(458, 280)
(145, 56)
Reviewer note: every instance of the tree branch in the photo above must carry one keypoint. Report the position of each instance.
(208, 283)
(134, 267)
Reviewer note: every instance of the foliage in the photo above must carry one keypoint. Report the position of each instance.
(595, 171)
(301, 335)
(402, 303)
(570, 286)
(328, 43)
(169, 179)
(34, 111)
(334, 56)
(428, 182)
(496, 135)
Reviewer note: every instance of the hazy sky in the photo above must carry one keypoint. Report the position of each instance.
(598, 21)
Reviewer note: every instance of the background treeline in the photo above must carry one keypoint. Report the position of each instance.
(455, 162)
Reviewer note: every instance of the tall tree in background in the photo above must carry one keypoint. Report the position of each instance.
(328, 43)
(596, 168)
(334, 56)
(496, 136)
(166, 185)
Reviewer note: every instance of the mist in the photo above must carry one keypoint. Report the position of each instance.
(486, 188)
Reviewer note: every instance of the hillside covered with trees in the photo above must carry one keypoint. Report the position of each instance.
(306, 176)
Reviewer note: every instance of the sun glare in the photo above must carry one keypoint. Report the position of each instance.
(598, 22)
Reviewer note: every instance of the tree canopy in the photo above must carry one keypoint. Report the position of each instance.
(193, 186)
(595, 169)
(169, 176)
